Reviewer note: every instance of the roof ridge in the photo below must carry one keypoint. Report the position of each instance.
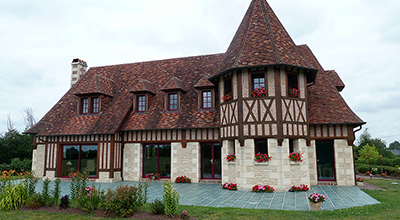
(267, 21)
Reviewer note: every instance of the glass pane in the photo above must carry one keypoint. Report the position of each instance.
(165, 160)
(150, 159)
(326, 170)
(261, 146)
(70, 160)
(89, 159)
(206, 165)
(217, 161)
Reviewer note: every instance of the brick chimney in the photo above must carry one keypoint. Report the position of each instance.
(78, 70)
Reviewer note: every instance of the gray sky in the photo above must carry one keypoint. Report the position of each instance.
(360, 39)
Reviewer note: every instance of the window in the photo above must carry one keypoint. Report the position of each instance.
(292, 81)
(141, 103)
(291, 145)
(207, 100)
(157, 159)
(258, 81)
(227, 86)
(261, 146)
(173, 102)
(85, 106)
(95, 105)
(78, 158)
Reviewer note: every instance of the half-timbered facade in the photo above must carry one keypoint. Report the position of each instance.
(183, 116)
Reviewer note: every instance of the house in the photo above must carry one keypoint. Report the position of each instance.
(183, 116)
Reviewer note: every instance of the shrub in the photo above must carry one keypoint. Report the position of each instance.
(46, 192)
(183, 179)
(396, 162)
(362, 168)
(125, 200)
(387, 161)
(374, 170)
(171, 198)
(20, 165)
(89, 199)
(157, 207)
(30, 182)
(56, 192)
(35, 201)
(64, 202)
(12, 196)
(78, 182)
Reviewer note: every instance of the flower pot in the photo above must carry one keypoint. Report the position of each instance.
(315, 206)
(360, 183)
(293, 162)
(231, 163)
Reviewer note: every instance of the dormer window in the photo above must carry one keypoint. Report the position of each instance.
(141, 103)
(258, 81)
(95, 105)
(206, 99)
(85, 106)
(293, 86)
(173, 102)
(228, 86)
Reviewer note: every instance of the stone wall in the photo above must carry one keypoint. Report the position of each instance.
(132, 162)
(344, 163)
(185, 161)
(105, 177)
(312, 163)
(38, 160)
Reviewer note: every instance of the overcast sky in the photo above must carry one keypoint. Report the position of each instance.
(360, 39)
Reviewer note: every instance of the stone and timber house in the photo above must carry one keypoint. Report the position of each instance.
(174, 116)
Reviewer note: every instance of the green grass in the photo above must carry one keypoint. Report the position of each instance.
(388, 209)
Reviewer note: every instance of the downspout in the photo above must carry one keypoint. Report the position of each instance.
(121, 136)
(354, 159)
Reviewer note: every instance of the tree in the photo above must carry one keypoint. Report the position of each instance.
(395, 145)
(380, 145)
(10, 125)
(15, 145)
(29, 119)
(369, 152)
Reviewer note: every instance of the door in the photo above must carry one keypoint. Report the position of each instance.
(325, 161)
(211, 161)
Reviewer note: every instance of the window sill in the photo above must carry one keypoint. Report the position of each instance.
(261, 163)
(231, 163)
(294, 163)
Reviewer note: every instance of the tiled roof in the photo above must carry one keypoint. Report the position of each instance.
(326, 105)
(204, 82)
(173, 84)
(335, 79)
(143, 86)
(97, 84)
(261, 40)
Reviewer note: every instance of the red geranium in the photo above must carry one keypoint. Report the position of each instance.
(302, 187)
(229, 186)
(296, 156)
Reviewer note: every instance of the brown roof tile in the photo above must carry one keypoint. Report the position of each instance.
(204, 82)
(143, 86)
(335, 79)
(173, 84)
(97, 84)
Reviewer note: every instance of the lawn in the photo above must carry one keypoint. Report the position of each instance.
(388, 209)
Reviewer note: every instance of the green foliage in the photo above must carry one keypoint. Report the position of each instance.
(396, 162)
(368, 152)
(57, 191)
(89, 199)
(157, 207)
(362, 168)
(12, 196)
(46, 191)
(380, 145)
(395, 145)
(35, 201)
(30, 183)
(15, 145)
(78, 182)
(125, 200)
(171, 198)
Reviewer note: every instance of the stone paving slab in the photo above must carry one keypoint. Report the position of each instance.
(212, 195)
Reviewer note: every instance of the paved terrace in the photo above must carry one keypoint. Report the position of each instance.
(212, 195)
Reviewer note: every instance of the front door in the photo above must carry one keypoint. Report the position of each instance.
(211, 161)
(325, 161)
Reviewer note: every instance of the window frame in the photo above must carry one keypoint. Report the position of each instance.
(84, 104)
(176, 105)
(139, 101)
(209, 99)
(257, 76)
(255, 146)
(79, 159)
(290, 81)
(93, 106)
(157, 145)
(229, 79)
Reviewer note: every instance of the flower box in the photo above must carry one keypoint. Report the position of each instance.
(231, 163)
(261, 163)
(262, 157)
(296, 157)
(259, 92)
(294, 162)
(227, 97)
(230, 157)
(294, 93)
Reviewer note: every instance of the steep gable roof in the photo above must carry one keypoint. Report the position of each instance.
(326, 104)
(204, 82)
(143, 86)
(261, 40)
(335, 79)
(173, 84)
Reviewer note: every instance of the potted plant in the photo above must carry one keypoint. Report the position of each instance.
(230, 157)
(229, 186)
(316, 201)
(183, 179)
(296, 157)
(360, 182)
(262, 158)
(300, 188)
(293, 92)
(261, 188)
(152, 176)
(227, 97)
(259, 92)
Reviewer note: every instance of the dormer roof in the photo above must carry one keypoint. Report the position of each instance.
(96, 85)
(335, 79)
(173, 84)
(204, 82)
(143, 86)
(262, 40)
